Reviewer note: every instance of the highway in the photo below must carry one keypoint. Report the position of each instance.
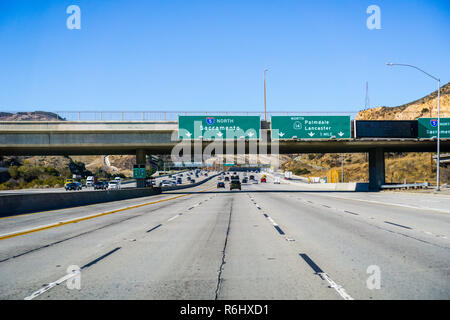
(124, 185)
(267, 241)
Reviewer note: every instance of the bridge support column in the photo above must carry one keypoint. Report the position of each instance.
(376, 169)
(140, 159)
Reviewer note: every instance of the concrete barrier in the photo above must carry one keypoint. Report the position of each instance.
(11, 205)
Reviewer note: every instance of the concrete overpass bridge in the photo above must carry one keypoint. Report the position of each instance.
(160, 137)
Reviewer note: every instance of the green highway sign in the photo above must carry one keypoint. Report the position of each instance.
(139, 171)
(428, 127)
(219, 127)
(310, 127)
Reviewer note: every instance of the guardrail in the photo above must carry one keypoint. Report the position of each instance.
(405, 185)
(158, 115)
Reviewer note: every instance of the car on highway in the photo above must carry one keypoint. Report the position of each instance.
(227, 179)
(100, 185)
(245, 180)
(72, 186)
(150, 183)
(192, 180)
(220, 184)
(67, 181)
(113, 185)
(252, 177)
(235, 183)
(276, 180)
(167, 183)
(179, 181)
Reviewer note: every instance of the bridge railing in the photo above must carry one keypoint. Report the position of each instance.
(163, 115)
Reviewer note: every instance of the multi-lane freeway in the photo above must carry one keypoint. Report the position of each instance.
(268, 241)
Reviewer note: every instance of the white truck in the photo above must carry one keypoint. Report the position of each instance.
(90, 181)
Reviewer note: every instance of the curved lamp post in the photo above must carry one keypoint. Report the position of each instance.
(438, 160)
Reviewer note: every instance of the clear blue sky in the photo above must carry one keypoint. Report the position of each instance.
(210, 55)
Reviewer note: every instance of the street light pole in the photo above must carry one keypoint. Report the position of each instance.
(438, 158)
(265, 114)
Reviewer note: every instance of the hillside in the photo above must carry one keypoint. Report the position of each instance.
(423, 107)
(30, 116)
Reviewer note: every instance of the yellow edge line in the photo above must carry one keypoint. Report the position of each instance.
(92, 217)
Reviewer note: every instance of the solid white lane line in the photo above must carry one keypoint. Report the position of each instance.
(339, 289)
(173, 218)
(51, 285)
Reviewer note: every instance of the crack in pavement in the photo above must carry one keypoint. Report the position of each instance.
(219, 277)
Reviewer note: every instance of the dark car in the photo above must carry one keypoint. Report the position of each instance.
(220, 184)
(235, 183)
(252, 177)
(150, 183)
(102, 185)
(73, 186)
(245, 180)
(227, 179)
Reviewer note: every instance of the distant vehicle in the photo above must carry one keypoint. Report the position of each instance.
(90, 181)
(227, 179)
(276, 180)
(68, 181)
(179, 181)
(100, 185)
(288, 175)
(113, 185)
(263, 179)
(150, 183)
(252, 177)
(255, 181)
(167, 183)
(245, 180)
(235, 183)
(73, 186)
(220, 184)
(192, 180)
(117, 179)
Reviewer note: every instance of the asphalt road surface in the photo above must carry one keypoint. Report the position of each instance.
(265, 242)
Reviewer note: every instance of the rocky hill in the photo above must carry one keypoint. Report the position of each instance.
(423, 107)
(30, 116)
